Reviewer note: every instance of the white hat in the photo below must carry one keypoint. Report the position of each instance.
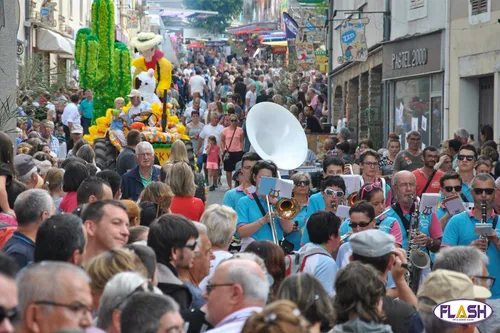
(146, 41)
(77, 129)
(134, 93)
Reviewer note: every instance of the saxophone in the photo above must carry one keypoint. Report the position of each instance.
(417, 259)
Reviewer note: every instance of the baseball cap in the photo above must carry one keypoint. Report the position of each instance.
(77, 129)
(135, 93)
(444, 285)
(372, 243)
(237, 171)
(24, 164)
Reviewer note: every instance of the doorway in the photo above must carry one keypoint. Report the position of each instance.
(486, 97)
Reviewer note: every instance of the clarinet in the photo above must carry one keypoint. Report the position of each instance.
(483, 220)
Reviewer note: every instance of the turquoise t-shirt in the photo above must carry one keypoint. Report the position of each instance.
(460, 230)
(232, 197)
(248, 212)
(316, 203)
(294, 237)
(87, 108)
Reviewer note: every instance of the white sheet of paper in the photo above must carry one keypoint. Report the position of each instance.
(424, 123)
(282, 187)
(429, 203)
(352, 183)
(343, 211)
(414, 124)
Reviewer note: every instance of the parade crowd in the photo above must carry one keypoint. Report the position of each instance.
(136, 249)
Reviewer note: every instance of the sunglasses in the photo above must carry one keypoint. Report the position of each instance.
(465, 157)
(9, 314)
(360, 224)
(191, 246)
(302, 183)
(330, 192)
(370, 187)
(457, 188)
(479, 191)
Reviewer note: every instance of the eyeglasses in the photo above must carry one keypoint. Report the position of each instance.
(488, 191)
(408, 185)
(302, 183)
(360, 224)
(487, 281)
(79, 308)
(371, 164)
(211, 286)
(457, 188)
(9, 314)
(337, 194)
(191, 246)
(467, 157)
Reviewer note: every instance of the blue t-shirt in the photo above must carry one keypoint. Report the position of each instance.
(294, 237)
(20, 248)
(424, 226)
(466, 192)
(322, 266)
(232, 197)
(316, 203)
(87, 108)
(460, 230)
(248, 212)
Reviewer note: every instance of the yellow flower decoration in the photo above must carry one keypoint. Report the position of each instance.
(174, 119)
(126, 107)
(89, 138)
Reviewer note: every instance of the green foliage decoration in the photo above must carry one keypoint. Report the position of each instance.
(96, 54)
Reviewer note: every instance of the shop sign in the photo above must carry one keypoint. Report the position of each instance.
(321, 61)
(412, 56)
(353, 40)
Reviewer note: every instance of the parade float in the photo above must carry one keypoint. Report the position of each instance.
(106, 67)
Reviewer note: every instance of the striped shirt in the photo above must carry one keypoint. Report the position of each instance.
(235, 321)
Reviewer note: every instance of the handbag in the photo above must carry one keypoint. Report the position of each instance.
(226, 155)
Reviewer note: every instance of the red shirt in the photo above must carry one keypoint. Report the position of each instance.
(68, 203)
(190, 207)
(434, 186)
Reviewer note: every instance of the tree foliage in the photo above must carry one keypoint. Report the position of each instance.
(228, 11)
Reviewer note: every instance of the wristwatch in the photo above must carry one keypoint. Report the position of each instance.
(430, 243)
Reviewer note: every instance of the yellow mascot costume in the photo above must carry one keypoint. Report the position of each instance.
(152, 58)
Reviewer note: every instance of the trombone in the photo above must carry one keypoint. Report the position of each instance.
(286, 209)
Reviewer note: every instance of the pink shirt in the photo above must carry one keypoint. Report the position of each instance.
(236, 144)
(213, 154)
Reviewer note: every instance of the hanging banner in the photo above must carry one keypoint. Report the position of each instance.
(291, 28)
(353, 40)
(47, 14)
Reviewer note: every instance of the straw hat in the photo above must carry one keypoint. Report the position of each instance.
(146, 41)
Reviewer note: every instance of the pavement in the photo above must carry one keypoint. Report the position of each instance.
(215, 197)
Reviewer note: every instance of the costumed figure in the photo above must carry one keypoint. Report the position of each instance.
(152, 58)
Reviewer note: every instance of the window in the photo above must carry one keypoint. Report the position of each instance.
(416, 4)
(479, 6)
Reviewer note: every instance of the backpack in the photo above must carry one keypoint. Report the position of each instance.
(295, 262)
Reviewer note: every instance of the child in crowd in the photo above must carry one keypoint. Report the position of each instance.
(213, 157)
(60, 135)
(116, 134)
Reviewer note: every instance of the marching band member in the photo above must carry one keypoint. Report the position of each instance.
(374, 195)
(253, 214)
(302, 185)
(451, 185)
(405, 188)
(333, 166)
(466, 160)
(369, 162)
(331, 196)
(460, 230)
(232, 196)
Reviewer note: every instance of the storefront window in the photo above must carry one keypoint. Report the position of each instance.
(417, 107)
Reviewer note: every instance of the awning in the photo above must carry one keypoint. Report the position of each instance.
(53, 42)
(282, 43)
(253, 27)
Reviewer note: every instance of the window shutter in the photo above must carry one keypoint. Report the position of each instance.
(479, 6)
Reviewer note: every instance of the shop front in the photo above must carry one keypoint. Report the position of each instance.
(413, 77)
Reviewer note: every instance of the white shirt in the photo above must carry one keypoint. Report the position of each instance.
(252, 97)
(203, 104)
(209, 130)
(187, 71)
(196, 83)
(71, 115)
(133, 111)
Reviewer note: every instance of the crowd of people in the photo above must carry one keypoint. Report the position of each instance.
(137, 249)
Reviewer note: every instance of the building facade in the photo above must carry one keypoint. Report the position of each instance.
(474, 83)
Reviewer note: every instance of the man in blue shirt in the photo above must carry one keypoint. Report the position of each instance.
(461, 229)
(232, 196)
(86, 109)
(451, 185)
